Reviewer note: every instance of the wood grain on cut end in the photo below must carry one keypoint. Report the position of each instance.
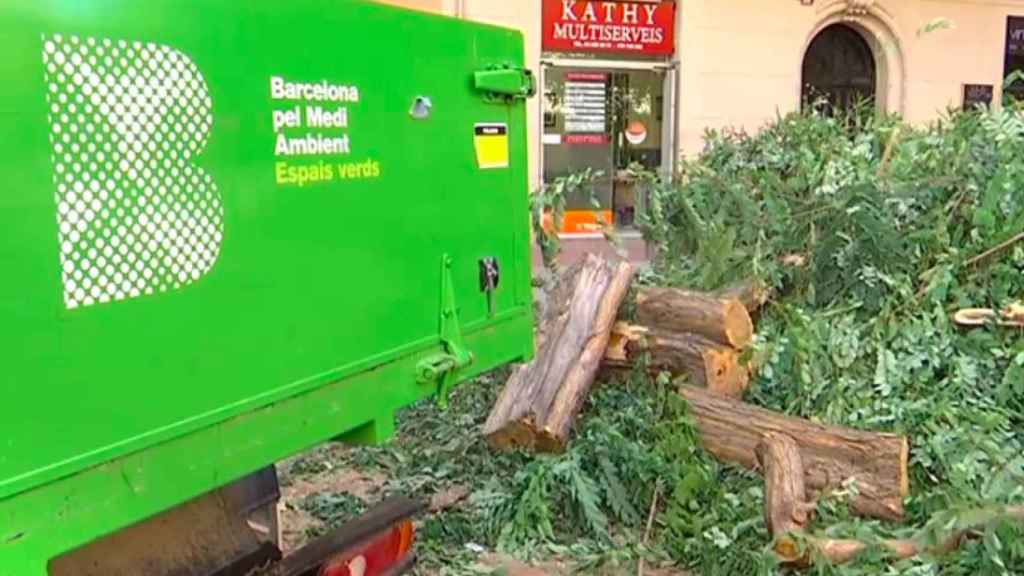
(519, 434)
(725, 374)
(904, 467)
(739, 328)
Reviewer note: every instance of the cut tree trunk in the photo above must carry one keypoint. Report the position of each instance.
(537, 407)
(706, 363)
(724, 321)
(752, 293)
(731, 431)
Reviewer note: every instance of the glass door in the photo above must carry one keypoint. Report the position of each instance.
(604, 121)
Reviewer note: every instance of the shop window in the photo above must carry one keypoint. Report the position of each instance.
(608, 87)
(610, 122)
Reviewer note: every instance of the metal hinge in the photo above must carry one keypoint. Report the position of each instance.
(505, 83)
(442, 369)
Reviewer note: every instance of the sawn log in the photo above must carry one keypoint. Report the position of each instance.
(680, 311)
(537, 407)
(831, 455)
(706, 363)
(786, 508)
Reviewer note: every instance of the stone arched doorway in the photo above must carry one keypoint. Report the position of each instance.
(839, 70)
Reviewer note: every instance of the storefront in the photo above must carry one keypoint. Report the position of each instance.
(641, 81)
(608, 103)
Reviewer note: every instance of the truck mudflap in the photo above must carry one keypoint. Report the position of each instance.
(233, 531)
(378, 543)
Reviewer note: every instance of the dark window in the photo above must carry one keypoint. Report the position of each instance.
(839, 69)
(1014, 61)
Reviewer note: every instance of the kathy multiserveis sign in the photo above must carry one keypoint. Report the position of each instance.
(617, 27)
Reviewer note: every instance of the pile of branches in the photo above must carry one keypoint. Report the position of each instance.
(873, 235)
(878, 242)
(870, 236)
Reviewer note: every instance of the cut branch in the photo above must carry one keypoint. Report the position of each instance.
(537, 407)
(1012, 316)
(831, 456)
(994, 251)
(841, 551)
(787, 515)
(785, 497)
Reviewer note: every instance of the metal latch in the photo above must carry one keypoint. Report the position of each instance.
(506, 83)
(490, 277)
(442, 369)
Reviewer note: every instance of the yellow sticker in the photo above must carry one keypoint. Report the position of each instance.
(491, 142)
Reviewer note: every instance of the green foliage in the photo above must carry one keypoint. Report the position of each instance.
(588, 505)
(333, 509)
(885, 219)
(867, 228)
(1011, 86)
(547, 208)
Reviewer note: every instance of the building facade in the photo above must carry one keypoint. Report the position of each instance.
(632, 82)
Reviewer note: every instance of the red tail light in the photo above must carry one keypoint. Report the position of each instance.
(376, 557)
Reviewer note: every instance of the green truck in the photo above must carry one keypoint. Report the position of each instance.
(233, 231)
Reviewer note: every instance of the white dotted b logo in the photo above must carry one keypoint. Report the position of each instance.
(135, 216)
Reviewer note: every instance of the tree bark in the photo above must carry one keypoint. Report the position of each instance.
(752, 293)
(731, 431)
(707, 364)
(724, 321)
(537, 407)
(785, 497)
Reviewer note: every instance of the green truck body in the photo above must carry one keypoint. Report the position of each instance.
(234, 230)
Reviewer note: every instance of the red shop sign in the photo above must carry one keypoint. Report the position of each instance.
(619, 27)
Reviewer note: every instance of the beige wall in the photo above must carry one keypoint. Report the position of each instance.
(739, 60)
(426, 5)
(740, 64)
